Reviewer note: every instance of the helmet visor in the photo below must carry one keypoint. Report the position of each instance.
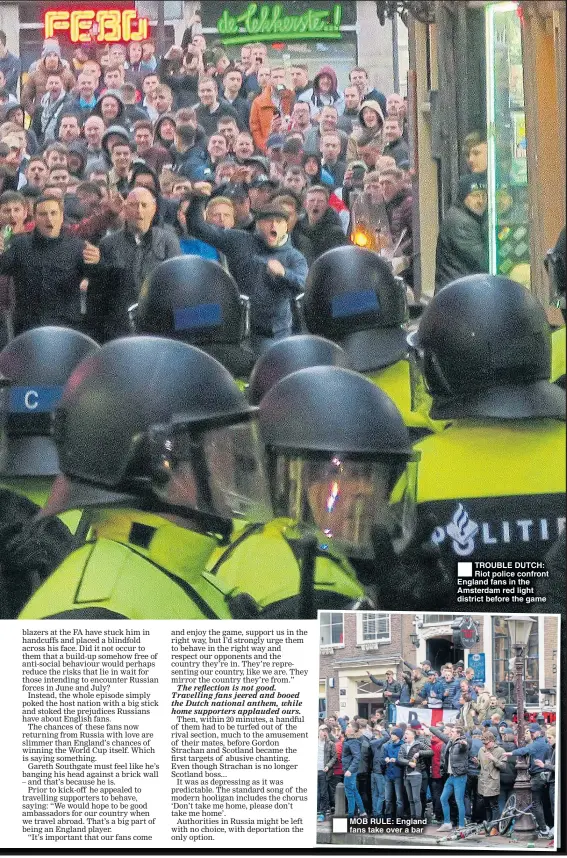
(218, 470)
(345, 498)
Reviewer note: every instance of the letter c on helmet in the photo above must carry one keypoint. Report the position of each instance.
(31, 399)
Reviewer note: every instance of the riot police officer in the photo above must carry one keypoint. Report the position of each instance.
(204, 469)
(165, 492)
(495, 477)
(196, 301)
(37, 363)
(352, 508)
(341, 467)
(290, 354)
(352, 297)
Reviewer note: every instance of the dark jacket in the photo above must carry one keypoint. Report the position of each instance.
(377, 749)
(123, 268)
(405, 694)
(474, 750)
(302, 242)
(418, 751)
(132, 113)
(365, 764)
(46, 273)
(190, 164)
(400, 213)
(457, 752)
(182, 85)
(209, 120)
(325, 234)
(462, 246)
(508, 776)
(398, 150)
(550, 766)
(394, 688)
(351, 755)
(242, 107)
(248, 255)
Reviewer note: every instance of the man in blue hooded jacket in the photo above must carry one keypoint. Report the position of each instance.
(393, 775)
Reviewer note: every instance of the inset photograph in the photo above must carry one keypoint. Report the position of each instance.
(437, 730)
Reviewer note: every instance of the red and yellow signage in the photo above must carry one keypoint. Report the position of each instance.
(96, 25)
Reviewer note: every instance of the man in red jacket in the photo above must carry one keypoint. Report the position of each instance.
(437, 779)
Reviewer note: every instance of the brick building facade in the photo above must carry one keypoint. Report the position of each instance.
(353, 643)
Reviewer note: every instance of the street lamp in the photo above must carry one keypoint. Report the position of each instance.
(519, 628)
(414, 639)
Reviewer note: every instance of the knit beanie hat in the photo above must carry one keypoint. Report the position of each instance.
(50, 46)
(470, 182)
(397, 732)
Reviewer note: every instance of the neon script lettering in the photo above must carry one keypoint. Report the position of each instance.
(265, 23)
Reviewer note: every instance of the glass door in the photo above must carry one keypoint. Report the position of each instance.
(508, 212)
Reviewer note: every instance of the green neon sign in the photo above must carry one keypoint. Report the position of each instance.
(269, 23)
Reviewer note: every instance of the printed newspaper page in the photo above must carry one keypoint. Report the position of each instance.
(282, 426)
(159, 735)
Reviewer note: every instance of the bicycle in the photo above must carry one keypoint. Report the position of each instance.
(510, 814)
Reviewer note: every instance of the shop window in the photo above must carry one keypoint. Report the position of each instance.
(331, 629)
(504, 671)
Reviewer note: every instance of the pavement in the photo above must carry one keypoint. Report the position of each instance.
(431, 838)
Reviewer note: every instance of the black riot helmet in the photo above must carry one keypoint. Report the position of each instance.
(287, 356)
(37, 363)
(485, 347)
(196, 301)
(352, 297)
(151, 420)
(339, 456)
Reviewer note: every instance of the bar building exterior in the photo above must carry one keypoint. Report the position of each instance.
(353, 643)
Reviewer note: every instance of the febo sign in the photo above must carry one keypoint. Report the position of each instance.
(269, 23)
(96, 25)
